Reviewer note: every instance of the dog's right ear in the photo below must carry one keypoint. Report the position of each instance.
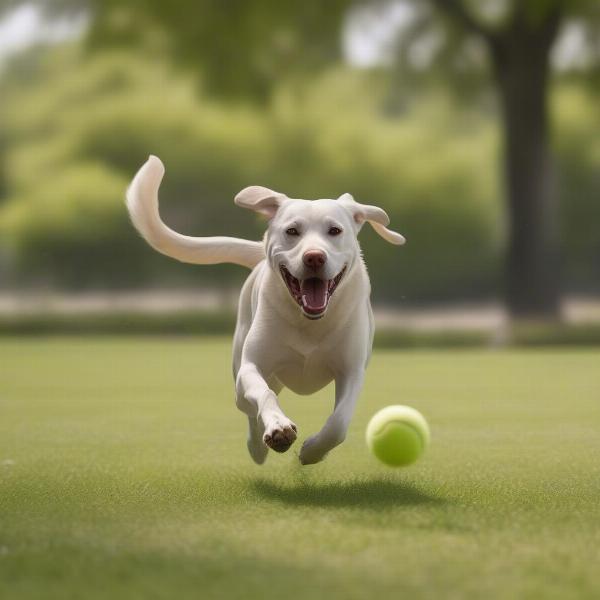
(260, 199)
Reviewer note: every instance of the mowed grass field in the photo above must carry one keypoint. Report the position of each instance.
(124, 474)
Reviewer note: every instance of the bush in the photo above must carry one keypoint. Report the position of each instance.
(71, 226)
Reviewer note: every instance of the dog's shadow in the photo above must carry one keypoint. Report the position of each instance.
(362, 493)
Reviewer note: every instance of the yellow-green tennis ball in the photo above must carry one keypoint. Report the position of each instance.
(398, 435)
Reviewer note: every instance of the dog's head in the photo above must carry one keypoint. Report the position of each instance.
(312, 244)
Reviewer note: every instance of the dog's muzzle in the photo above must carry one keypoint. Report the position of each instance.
(311, 294)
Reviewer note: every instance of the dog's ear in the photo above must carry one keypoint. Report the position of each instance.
(260, 199)
(376, 217)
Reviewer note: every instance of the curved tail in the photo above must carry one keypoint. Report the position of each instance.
(142, 203)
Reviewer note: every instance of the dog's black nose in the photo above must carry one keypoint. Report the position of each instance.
(314, 259)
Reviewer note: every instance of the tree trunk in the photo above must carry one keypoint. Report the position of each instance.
(521, 64)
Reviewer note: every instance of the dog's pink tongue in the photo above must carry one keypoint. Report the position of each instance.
(314, 295)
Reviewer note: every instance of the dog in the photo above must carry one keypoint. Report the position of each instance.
(304, 317)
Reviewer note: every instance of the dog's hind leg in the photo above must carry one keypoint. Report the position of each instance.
(259, 401)
(256, 446)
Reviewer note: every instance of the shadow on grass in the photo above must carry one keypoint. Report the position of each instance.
(369, 494)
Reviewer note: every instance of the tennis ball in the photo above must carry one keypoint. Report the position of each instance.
(397, 435)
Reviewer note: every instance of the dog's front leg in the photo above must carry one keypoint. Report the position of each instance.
(333, 433)
(259, 402)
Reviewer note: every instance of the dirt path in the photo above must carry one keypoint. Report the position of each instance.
(467, 316)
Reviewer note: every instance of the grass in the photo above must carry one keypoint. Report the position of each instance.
(124, 474)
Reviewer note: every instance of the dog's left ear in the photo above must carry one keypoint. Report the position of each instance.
(260, 199)
(377, 218)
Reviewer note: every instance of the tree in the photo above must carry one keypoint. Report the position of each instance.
(520, 52)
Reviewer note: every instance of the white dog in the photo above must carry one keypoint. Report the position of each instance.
(304, 316)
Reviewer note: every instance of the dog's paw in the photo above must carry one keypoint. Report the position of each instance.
(280, 434)
(311, 451)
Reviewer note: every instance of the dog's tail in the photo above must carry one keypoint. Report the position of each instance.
(142, 203)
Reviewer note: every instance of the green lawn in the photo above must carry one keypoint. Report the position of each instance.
(124, 474)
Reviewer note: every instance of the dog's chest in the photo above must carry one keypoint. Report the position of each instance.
(306, 366)
(305, 377)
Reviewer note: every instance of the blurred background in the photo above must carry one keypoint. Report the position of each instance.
(475, 125)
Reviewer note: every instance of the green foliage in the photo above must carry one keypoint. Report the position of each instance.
(78, 128)
(240, 48)
(578, 149)
(69, 228)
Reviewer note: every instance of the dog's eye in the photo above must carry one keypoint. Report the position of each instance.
(334, 231)
(292, 231)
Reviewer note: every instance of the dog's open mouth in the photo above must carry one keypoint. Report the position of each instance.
(312, 294)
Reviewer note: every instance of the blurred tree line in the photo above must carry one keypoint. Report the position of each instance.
(269, 102)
